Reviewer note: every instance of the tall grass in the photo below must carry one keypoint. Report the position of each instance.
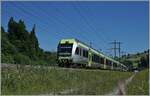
(139, 84)
(45, 80)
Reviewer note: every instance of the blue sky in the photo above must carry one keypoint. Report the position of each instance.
(97, 22)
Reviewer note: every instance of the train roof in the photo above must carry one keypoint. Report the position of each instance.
(72, 40)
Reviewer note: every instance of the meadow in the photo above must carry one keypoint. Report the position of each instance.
(140, 84)
(53, 80)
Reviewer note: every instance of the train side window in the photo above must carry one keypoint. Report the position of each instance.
(86, 53)
(115, 64)
(102, 60)
(95, 58)
(80, 52)
(108, 62)
(92, 57)
(77, 51)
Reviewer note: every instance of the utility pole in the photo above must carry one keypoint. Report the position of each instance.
(119, 49)
(115, 47)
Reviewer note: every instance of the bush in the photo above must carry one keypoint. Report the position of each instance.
(40, 62)
(7, 58)
(21, 59)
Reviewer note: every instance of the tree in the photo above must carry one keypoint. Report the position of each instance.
(2, 29)
(129, 64)
(6, 46)
(22, 47)
(23, 38)
(34, 45)
(12, 30)
(18, 35)
(144, 61)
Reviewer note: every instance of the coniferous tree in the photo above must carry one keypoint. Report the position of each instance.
(2, 30)
(12, 30)
(18, 35)
(6, 46)
(34, 45)
(23, 37)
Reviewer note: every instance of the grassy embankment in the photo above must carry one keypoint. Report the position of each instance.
(140, 84)
(55, 80)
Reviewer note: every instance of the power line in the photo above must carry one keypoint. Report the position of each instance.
(88, 24)
(83, 35)
(45, 24)
(104, 33)
(30, 14)
(57, 18)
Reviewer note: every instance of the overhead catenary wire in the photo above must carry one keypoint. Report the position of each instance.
(84, 35)
(30, 13)
(46, 23)
(22, 11)
(104, 33)
(88, 24)
(81, 29)
(57, 19)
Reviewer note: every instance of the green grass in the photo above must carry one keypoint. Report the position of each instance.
(55, 80)
(140, 84)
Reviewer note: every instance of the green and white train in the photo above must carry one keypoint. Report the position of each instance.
(74, 53)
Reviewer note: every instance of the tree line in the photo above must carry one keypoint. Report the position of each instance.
(144, 61)
(141, 60)
(20, 46)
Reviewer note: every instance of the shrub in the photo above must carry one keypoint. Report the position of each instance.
(21, 59)
(7, 58)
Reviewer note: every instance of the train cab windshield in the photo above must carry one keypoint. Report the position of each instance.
(65, 49)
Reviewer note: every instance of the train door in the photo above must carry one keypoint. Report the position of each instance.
(89, 58)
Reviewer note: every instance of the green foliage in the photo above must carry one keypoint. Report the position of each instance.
(139, 60)
(7, 58)
(129, 64)
(21, 59)
(6, 46)
(144, 61)
(23, 46)
(33, 43)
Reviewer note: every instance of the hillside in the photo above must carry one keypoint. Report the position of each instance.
(136, 61)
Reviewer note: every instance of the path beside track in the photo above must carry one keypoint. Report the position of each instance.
(121, 87)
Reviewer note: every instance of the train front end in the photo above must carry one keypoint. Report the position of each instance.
(64, 52)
